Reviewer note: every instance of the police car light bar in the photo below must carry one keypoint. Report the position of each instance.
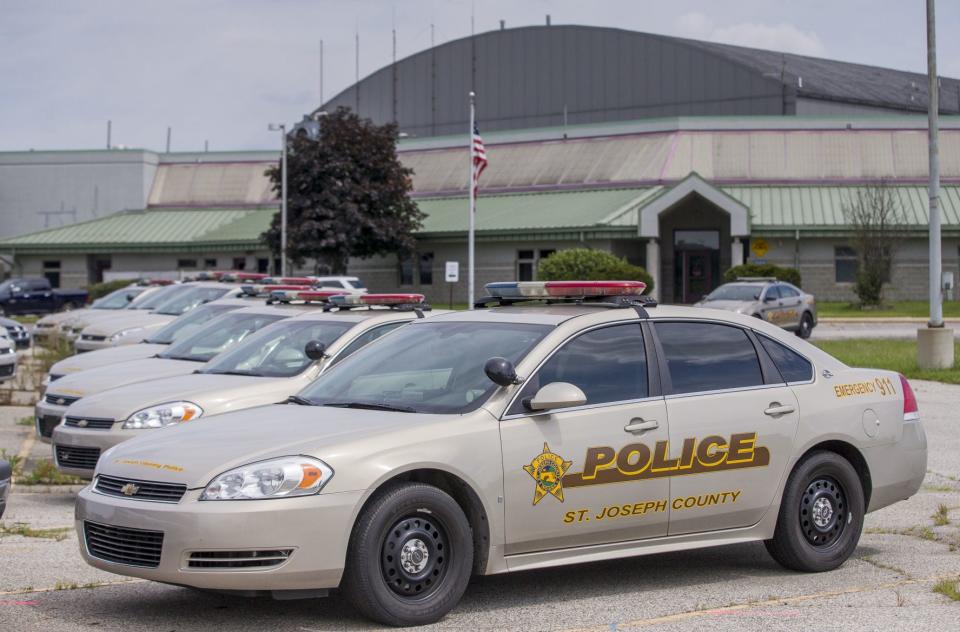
(287, 280)
(266, 290)
(355, 300)
(306, 296)
(564, 289)
(237, 277)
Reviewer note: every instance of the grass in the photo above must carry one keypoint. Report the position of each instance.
(16, 462)
(46, 473)
(941, 517)
(893, 355)
(25, 530)
(895, 309)
(26, 319)
(949, 588)
(25, 421)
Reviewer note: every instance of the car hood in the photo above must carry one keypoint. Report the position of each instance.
(193, 453)
(87, 317)
(131, 319)
(96, 380)
(730, 306)
(213, 393)
(60, 317)
(105, 357)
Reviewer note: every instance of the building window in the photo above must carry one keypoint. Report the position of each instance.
(528, 260)
(209, 263)
(426, 268)
(51, 272)
(846, 264)
(406, 271)
(187, 264)
(263, 265)
(239, 263)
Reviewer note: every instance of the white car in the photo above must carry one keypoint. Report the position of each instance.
(72, 323)
(8, 360)
(350, 283)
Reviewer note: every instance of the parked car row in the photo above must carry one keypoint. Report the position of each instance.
(370, 444)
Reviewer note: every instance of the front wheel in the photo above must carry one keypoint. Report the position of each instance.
(806, 325)
(821, 515)
(410, 556)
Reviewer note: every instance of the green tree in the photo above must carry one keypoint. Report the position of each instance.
(583, 264)
(348, 195)
(877, 222)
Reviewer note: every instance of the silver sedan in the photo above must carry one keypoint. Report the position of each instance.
(777, 302)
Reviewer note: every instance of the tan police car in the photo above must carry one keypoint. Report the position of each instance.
(766, 298)
(69, 328)
(515, 438)
(181, 358)
(113, 302)
(269, 366)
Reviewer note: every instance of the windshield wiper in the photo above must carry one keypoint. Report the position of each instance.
(372, 406)
(186, 358)
(237, 372)
(296, 399)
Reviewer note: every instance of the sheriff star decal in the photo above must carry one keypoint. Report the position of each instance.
(547, 470)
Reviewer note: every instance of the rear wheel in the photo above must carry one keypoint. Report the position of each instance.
(410, 556)
(821, 515)
(806, 325)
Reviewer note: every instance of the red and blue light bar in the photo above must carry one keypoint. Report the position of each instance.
(355, 300)
(276, 280)
(237, 277)
(267, 290)
(564, 289)
(298, 293)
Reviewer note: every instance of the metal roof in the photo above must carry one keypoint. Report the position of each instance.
(215, 183)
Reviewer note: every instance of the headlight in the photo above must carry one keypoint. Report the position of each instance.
(277, 478)
(163, 415)
(123, 334)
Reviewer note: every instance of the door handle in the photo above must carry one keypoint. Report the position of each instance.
(778, 410)
(638, 425)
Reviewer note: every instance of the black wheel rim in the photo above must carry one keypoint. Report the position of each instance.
(823, 512)
(415, 556)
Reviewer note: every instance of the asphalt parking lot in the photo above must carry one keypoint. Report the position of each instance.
(888, 583)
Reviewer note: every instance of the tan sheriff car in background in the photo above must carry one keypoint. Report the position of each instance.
(181, 358)
(269, 366)
(515, 438)
(146, 301)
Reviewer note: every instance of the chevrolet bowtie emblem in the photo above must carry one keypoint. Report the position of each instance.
(130, 489)
(82, 423)
(61, 401)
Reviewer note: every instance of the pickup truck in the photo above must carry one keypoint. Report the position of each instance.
(35, 296)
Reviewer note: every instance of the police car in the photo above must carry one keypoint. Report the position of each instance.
(566, 422)
(778, 302)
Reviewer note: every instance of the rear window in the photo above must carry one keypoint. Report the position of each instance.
(708, 357)
(792, 366)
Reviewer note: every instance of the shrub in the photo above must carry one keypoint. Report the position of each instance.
(790, 275)
(102, 289)
(583, 264)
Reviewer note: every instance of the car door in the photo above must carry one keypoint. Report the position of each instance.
(20, 300)
(732, 424)
(790, 306)
(770, 304)
(585, 475)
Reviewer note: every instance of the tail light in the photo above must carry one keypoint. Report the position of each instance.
(910, 408)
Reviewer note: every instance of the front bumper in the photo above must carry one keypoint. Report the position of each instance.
(82, 346)
(87, 442)
(47, 418)
(315, 528)
(4, 490)
(8, 366)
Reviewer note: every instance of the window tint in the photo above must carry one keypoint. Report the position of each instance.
(366, 338)
(792, 366)
(772, 292)
(608, 364)
(787, 291)
(708, 357)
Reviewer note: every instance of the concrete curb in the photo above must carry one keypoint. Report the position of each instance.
(880, 320)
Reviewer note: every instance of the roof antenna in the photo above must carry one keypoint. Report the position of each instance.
(548, 19)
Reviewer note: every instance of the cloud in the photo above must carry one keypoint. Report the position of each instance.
(780, 37)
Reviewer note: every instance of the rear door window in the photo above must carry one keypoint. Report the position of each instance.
(708, 357)
(792, 366)
(607, 364)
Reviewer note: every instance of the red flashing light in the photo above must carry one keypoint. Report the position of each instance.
(391, 299)
(594, 288)
(289, 280)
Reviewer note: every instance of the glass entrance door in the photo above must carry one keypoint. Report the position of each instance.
(696, 264)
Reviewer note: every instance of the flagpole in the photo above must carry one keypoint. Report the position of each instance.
(473, 200)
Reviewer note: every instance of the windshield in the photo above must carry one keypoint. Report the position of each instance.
(185, 325)
(277, 350)
(427, 367)
(150, 300)
(119, 299)
(218, 335)
(355, 284)
(186, 301)
(733, 292)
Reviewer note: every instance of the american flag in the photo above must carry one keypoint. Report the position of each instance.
(479, 158)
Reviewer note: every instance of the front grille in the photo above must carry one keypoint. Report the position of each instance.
(78, 458)
(86, 422)
(46, 424)
(7, 369)
(92, 338)
(59, 400)
(134, 547)
(45, 325)
(140, 490)
(54, 378)
(238, 559)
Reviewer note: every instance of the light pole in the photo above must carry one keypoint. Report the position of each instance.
(282, 128)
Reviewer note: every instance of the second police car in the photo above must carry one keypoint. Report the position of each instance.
(586, 425)
(766, 298)
(267, 367)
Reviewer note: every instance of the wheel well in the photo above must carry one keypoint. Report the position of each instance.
(853, 456)
(464, 496)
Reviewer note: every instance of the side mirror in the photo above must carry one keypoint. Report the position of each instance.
(556, 395)
(315, 350)
(130, 297)
(501, 371)
(769, 298)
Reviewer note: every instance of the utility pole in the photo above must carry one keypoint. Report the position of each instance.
(169, 131)
(109, 126)
(321, 73)
(934, 343)
(282, 128)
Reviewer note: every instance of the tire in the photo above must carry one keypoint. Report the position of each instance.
(414, 518)
(827, 480)
(806, 325)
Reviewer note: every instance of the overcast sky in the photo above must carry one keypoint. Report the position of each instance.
(221, 70)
